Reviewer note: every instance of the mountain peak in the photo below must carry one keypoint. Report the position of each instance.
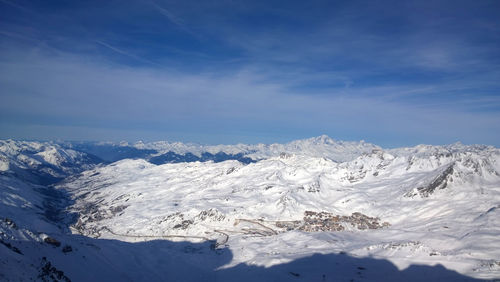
(323, 139)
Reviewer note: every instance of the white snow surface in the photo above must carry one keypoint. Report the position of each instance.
(136, 221)
(456, 226)
(43, 157)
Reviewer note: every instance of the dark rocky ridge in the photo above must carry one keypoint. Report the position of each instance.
(439, 182)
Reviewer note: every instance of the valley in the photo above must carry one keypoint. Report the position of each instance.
(310, 210)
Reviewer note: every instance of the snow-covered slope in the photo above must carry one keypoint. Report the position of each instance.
(424, 205)
(309, 210)
(42, 162)
(36, 246)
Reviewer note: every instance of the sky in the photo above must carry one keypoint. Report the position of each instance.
(393, 73)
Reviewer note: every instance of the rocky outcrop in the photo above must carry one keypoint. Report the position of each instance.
(48, 272)
(439, 182)
(52, 241)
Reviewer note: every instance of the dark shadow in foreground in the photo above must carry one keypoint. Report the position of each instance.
(80, 258)
(340, 267)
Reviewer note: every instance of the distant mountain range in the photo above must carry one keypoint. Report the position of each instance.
(79, 210)
(173, 152)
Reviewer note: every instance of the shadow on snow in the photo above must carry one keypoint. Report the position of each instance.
(162, 260)
(81, 258)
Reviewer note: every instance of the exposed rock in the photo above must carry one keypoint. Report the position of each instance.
(284, 155)
(213, 214)
(9, 222)
(67, 249)
(439, 182)
(11, 247)
(313, 187)
(50, 273)
(52, 241)
(184, 224)
(294, 274)
(117, 209)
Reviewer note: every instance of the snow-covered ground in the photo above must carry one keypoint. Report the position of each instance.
(324, 211)
(42, 162)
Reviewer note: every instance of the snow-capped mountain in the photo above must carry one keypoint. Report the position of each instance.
(176, 152)
(353, 204)
(320, 147)
(42, 162)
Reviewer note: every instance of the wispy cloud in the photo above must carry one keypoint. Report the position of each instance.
(168, 14)
(173, 18)
(16, 5)
(413, 73)
(16, 35)
(69, 90)
(125, 53)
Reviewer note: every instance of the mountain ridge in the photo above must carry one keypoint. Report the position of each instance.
(418, 205)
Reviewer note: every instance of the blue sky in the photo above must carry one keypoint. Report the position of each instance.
(394, 73)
